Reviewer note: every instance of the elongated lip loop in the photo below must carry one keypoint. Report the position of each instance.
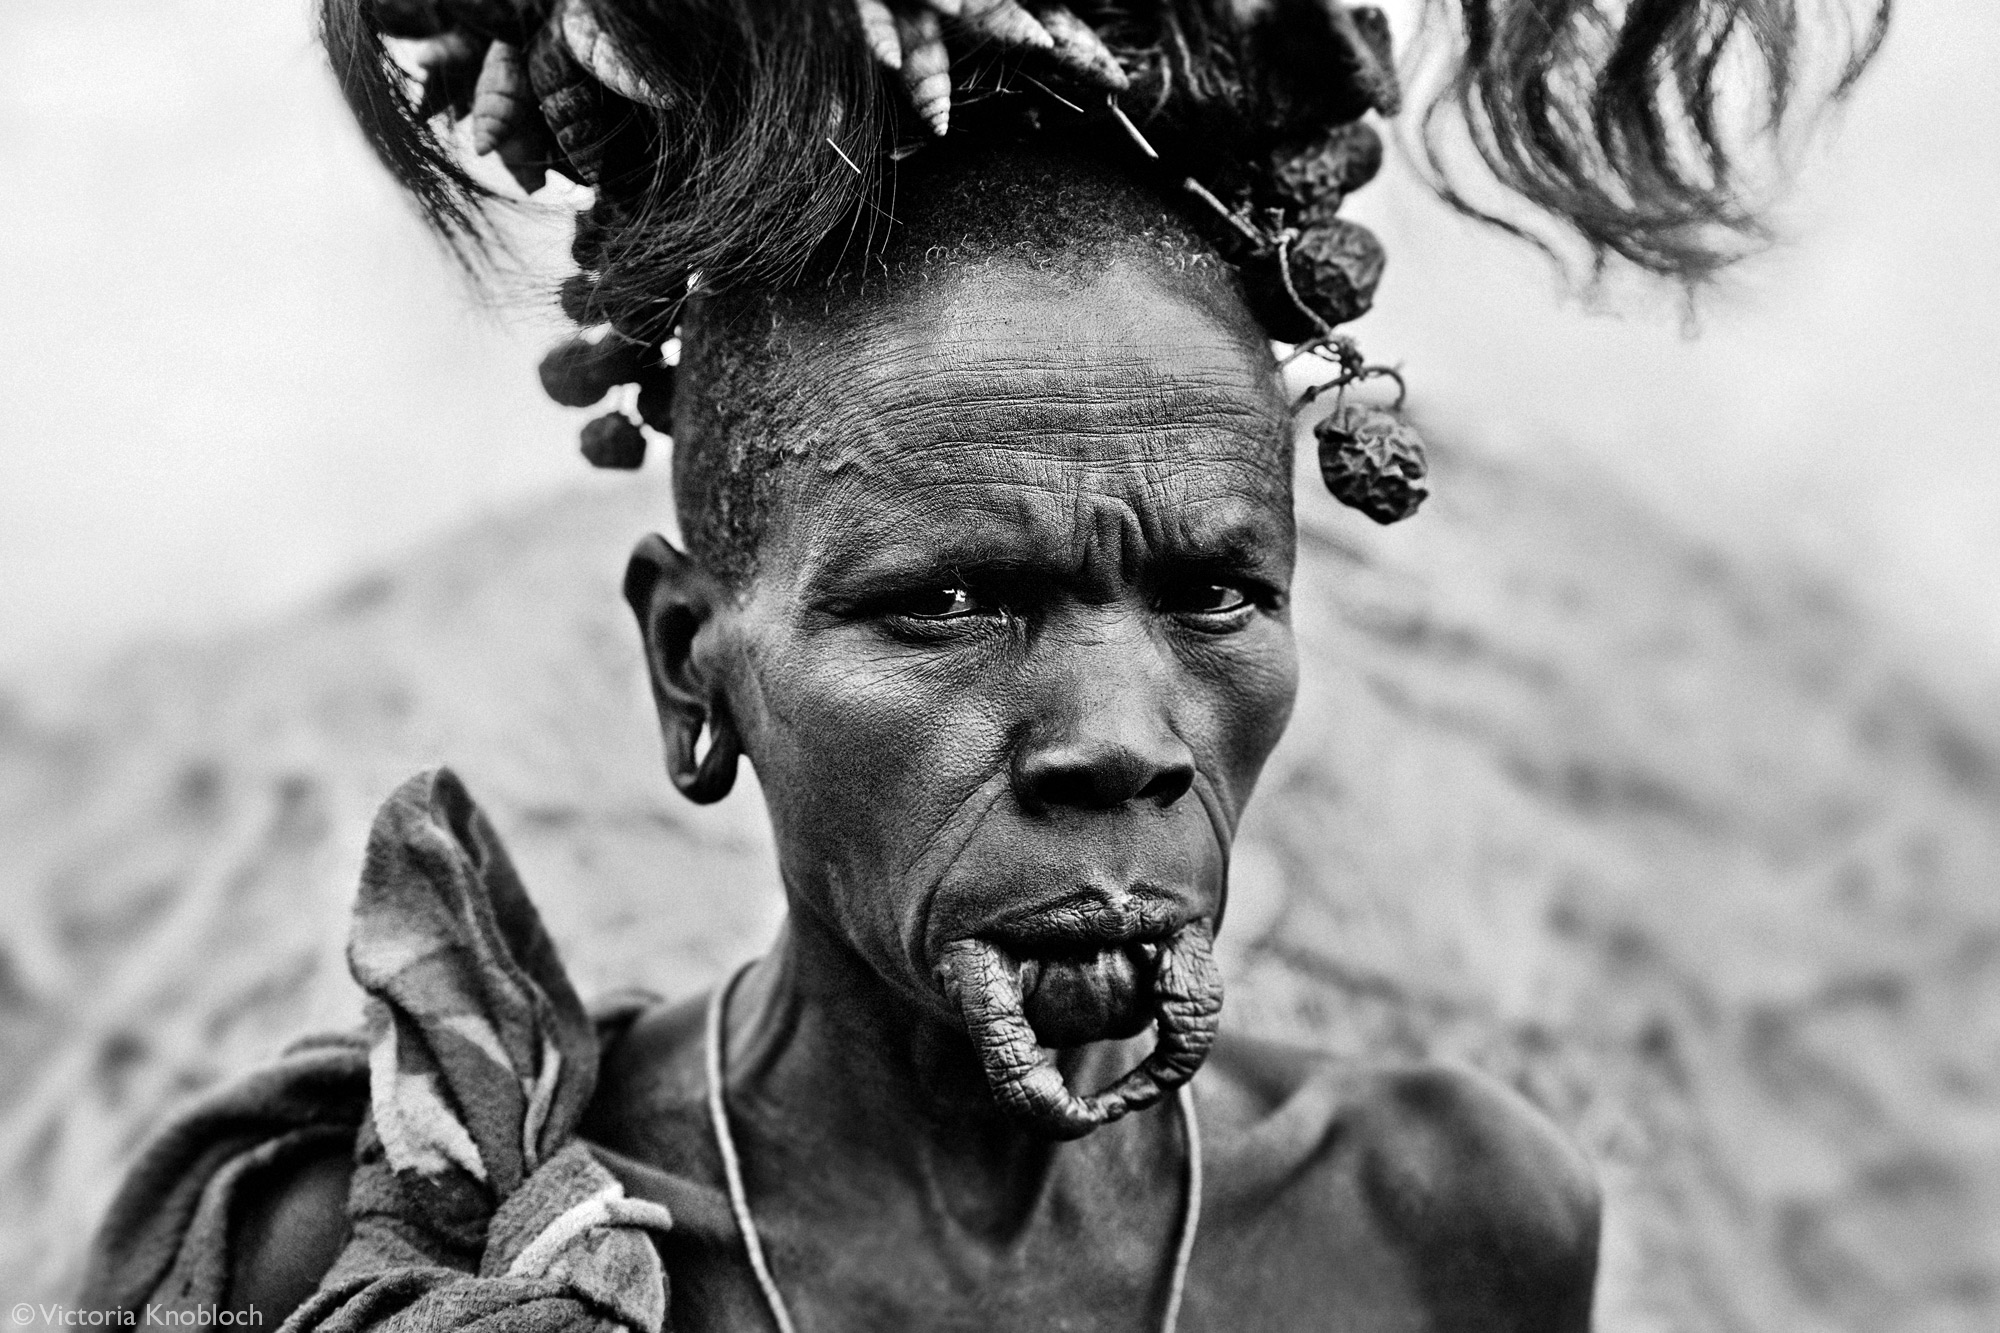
(985, 985)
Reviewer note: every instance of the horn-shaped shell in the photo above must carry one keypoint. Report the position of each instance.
(878, 28)
(1079, 49)
(595, 51)
(927, 69)
(1005, 23)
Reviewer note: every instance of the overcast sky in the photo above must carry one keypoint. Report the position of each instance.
(233, 370)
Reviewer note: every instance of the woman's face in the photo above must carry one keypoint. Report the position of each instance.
(1018, 643)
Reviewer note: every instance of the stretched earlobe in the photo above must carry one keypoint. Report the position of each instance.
(674, 600)
(704, 777)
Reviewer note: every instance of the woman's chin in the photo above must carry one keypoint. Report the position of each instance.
(1075, 998)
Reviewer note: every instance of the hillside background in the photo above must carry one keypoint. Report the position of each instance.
(1655, 768)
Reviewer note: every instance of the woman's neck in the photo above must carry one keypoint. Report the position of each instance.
(825, 1055)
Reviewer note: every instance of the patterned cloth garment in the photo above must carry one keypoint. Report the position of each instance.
(472, 1202)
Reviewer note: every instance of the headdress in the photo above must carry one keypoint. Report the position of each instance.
(732, 141)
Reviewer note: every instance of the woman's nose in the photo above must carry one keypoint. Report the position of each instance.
(1105, 739)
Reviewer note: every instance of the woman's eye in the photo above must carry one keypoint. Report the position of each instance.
(1205, 599)
(941, 603)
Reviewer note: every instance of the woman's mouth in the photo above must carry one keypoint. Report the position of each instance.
(1017, 1001)
(1072, 997)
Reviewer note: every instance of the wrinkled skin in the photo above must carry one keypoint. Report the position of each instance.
(1015, 653)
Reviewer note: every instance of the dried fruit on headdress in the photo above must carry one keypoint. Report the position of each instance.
(580, 372)
(1311, 180)
(1334, 267)
(614, 440)
(1373, 460)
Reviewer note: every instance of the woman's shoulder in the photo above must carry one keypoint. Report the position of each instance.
(651, 1097)
(1444, 1162)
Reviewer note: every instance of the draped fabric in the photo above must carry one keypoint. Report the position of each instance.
(473, 1205)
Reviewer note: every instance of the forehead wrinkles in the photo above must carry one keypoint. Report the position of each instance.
(1108, 413)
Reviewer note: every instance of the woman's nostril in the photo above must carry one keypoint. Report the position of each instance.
(1168, 785)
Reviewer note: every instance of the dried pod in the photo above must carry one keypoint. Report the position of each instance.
(572, 104)
(656, 398)
(579, 372)
(506, 119)
(951, 9)
(411, 18)
(927, 69)
(500, 99)
(1373, 460)
(1079, 50)
(1006, 24)
(1335, 266)
(614, 440)
(1312, 179)
(878, 29)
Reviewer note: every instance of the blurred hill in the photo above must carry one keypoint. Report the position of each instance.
(1676, 841)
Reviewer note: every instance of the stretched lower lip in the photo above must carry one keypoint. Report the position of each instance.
(1082, 995)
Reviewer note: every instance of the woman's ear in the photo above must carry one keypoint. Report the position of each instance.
(675, 600)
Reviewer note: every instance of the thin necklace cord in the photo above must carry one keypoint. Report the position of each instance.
(753, 1245)
(732, 1168)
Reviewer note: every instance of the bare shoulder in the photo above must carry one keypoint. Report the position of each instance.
(651, 1085)
(1479, 1199)
(290, 1225)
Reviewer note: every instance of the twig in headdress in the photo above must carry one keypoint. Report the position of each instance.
(1125, 121)
(1222, 210)
(1052, 92)
(843, 156)
(1285, 240)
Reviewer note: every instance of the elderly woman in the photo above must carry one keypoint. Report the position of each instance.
(984, 476)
